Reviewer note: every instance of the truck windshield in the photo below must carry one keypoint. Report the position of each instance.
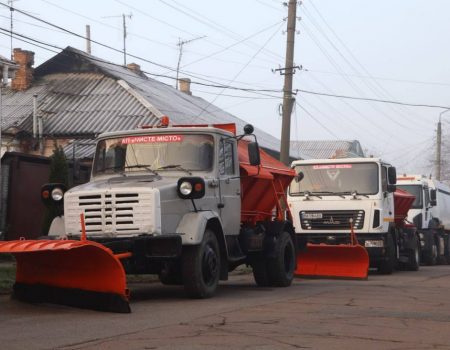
(336, 179)
(154, 153)
(415, 190)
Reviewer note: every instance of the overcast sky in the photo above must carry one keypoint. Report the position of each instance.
(391, 50)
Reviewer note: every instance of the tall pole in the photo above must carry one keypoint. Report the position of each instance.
(180, 53)
(124, 40)
(438, 150)
(439, 146)
(288, 100)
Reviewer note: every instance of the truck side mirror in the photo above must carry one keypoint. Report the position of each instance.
(433, 200)
(253, 153)
(392, 175)
(299, 177)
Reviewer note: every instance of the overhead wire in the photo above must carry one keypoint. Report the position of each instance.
(374, 85)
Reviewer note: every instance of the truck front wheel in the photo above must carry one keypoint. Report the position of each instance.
(280, 268)
(201, 267)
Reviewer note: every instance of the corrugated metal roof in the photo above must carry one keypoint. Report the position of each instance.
(74, 104)
(314, 149)
(80, 149)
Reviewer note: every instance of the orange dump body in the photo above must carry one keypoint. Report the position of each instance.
(402, 203)
(263, 187)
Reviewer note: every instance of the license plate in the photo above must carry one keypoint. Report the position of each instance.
(312, 215)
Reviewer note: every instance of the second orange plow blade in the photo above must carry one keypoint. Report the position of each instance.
(335, 261)
(76, 273)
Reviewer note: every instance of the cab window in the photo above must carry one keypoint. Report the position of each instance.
(226, 158)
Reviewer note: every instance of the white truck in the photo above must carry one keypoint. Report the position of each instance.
(430, 213)
(335, 193)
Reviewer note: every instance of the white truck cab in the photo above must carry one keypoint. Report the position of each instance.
(335, 193)
(430, 213)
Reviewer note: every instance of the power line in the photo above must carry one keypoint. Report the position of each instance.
(373, 99)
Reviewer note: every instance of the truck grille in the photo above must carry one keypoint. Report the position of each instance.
(116, 213)
(331, 219)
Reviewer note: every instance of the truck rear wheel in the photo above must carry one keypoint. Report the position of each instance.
(414, 257)
(387, 266)
(201, 267)
(432, 254)
(280, 268)
(259, 266)
(170, 274)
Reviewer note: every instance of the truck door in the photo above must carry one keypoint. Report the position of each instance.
(388, 198)
(229, 187)
(426, 205)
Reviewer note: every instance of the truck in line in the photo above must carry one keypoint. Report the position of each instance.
(430, 213)
(338, 195)
(188, 203)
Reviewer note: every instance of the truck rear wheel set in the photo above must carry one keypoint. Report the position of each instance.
(278, 269)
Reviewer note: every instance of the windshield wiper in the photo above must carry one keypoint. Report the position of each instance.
(174, 166)
(340, 194)
(144, 166)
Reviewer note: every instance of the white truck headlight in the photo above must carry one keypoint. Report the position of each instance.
(57, 194)
(186, 188)
(374, 244)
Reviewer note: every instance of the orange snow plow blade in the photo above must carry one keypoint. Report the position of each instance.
(83, 273)
(336, 261)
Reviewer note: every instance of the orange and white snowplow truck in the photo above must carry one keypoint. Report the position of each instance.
(189, 203)
(430, 212)
(338, 197)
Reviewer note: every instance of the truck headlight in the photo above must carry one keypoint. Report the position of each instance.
(186, 188)
(191, 187)
(57, 194)
(374, 244)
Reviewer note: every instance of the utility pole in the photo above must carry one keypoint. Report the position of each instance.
(289, 68)
(180, 45)
(438, 150)
(124, 24)
(11, 10)
(439, 146)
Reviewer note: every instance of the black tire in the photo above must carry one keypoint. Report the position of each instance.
(414, 257)
(387, 266)
(171, 275)
(201, 267)
(259, 266)
(280, 268)
(447, 249)
(431, 255)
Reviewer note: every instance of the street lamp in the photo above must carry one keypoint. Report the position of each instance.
(438, 146)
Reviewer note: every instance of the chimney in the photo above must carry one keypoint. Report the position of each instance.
(134, 67)
(185, 85)
(24, 75)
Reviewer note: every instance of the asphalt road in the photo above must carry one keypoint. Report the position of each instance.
(407, 310)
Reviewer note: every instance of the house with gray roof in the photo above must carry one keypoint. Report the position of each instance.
(75, 96)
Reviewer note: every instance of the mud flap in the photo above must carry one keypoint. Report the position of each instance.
(333, 261)
(84, 274)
